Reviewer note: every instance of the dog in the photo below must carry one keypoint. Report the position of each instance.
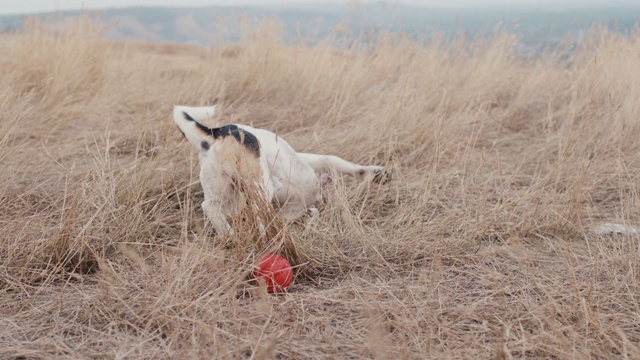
(235, 159)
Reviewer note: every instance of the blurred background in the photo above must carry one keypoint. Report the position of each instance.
(538, 24)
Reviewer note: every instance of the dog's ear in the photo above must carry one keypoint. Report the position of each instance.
(197, 134)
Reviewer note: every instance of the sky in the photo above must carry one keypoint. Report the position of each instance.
(36, 6)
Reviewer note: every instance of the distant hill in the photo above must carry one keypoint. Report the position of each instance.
(221, 25)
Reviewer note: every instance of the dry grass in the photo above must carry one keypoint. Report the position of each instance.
(481, 247)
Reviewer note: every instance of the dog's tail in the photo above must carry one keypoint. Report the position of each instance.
(188, 120)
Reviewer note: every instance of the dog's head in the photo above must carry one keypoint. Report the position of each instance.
(188, 121)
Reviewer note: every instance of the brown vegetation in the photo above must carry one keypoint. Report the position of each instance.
(480, 247)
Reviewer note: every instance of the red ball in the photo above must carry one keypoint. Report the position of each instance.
(275, 271)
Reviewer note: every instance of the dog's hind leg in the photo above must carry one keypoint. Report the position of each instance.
(327, 163)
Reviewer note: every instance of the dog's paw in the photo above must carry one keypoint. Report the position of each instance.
(377, 174)
(382, 176)
(313, 211)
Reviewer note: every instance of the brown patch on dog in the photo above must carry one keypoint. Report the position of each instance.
(237, 160)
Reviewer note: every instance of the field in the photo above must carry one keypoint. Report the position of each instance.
(482, 246)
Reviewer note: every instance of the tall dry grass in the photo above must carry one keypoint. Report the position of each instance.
(481, 247)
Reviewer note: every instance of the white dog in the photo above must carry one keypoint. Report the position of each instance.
(236, 157)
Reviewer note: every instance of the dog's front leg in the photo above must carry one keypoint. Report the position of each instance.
(216, 216)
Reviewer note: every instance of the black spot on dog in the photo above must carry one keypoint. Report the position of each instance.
(204, 144)
(245, 138)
